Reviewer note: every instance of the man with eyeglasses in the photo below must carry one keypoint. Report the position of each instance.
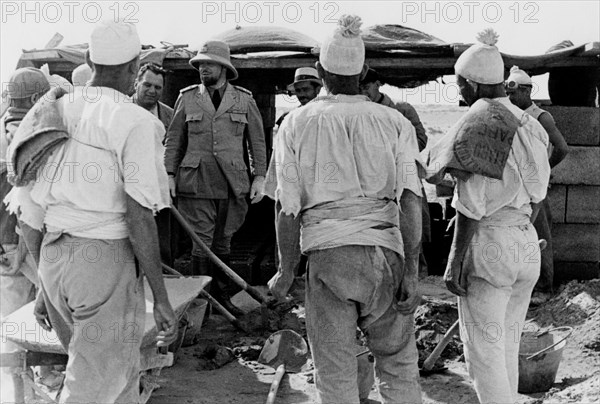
(518, 88)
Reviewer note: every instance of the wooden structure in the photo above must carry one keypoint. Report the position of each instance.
(266, 61)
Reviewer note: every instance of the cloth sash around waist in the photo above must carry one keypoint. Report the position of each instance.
(507, 217)
(354, 221)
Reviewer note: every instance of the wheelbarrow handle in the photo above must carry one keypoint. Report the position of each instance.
(569, 329)
(253, 292)
(275, 384)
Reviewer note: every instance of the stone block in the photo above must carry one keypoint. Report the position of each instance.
(576, 242)
(583, 204)
(568, 271)
(580, 167)
(579, 125)
(557, 196)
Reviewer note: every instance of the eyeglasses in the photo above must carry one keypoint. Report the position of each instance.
(513, 85)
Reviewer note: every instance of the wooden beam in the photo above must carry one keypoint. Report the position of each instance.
(44, 56)
(54, 41)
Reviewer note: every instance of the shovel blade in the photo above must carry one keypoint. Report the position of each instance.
(285, 347)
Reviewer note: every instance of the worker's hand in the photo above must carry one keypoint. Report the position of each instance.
(172, 186)
(41, 313)
(409, 298)
(455, 278)
(256, 194)
(280, 284)
(166, 324)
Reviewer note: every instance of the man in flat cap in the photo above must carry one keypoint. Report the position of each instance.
(18, 276)
(205, 159)
(100, 235)
(502, 174)
(518, 87)
(306, 87)
(18, 271)
(366, 156)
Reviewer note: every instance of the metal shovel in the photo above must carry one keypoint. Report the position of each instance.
(285, 351)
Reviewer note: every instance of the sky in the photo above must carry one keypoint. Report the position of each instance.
(525, 27)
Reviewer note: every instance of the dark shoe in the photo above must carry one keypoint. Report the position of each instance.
(230, 307)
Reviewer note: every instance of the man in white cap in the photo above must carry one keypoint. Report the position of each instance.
(494, 259)
(205, 160)
(518, 88)
(342, 162)
(81, 75)
(100, 235)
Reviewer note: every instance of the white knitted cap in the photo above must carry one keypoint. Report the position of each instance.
(343, 52)
(482, 62)
(114, 43)
(518, 76)
(81, 75)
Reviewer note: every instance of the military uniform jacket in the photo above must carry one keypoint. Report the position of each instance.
(205, 148)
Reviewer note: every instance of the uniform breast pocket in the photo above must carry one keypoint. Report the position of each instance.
(240, 121)
(194, 122)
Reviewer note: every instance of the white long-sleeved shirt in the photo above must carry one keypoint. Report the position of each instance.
(339, 147)
(524, 179)
(115, 150)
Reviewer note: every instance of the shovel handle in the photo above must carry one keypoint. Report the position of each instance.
(275, 384)
(220, 264)
(230, 317)
(430, 361)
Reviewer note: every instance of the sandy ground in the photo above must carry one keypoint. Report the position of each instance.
(242, 381)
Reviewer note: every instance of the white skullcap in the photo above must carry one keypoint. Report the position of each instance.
(81, 75)
(114, 43)
(343, 53)
(482, 62)
(518, 76)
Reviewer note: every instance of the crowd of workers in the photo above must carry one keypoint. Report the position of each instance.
(356, 238)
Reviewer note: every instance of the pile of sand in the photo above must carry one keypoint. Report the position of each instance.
(576, 305)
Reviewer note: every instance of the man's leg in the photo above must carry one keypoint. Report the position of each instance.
(391, 339)
(498, 257)
(331, 328)
(201, 214)
(231, 214)
(543, 226)
(92, 285)
(519, 303)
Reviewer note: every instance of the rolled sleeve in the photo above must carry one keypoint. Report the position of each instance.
(408, 161)
(469, 197)
(288, 173)
(532, 158)
(142, 167)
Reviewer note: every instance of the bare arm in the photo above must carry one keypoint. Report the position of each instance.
(287, 232)
(33, 240)
(410, 227)
(257, 151)
(144, 240)
(455, 276)
(560, 147)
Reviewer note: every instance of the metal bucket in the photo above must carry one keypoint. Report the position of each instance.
(539, 357)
